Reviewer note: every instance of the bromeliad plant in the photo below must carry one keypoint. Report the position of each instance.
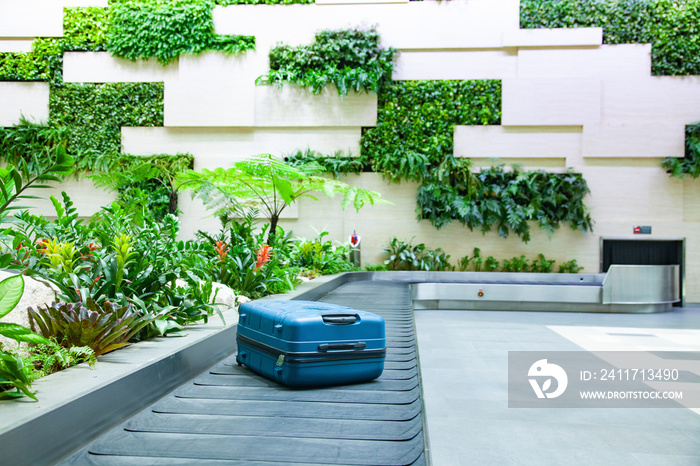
(115, 258)
(242, 260)
(103, 328)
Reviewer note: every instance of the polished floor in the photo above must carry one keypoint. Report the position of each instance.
(464, 368)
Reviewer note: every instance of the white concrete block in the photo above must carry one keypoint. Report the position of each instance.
(75, 3)
(560, 102)
(517, 141)
(212, 89)
(423, 25)
(626, 61)
(557, 37)
(291, 105)
(87, 198)
(636, 194)
(31, 18)
(102, 67)
(481, 64)
(231, 144)
(30, 99)
(668, 99)
(9, 45)
(351, 2)
(660, 139)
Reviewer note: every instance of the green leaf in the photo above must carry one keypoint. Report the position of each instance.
(284, 188)
(11, 290)
(20, 333)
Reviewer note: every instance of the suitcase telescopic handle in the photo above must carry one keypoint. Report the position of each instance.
(341, 318)
(342, 346)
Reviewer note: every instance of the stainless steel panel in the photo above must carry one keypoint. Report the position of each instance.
(507, 292)
(637, 284)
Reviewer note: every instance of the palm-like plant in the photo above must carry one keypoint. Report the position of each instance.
(267, 183)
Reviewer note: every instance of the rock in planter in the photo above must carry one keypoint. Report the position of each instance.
(35, 293)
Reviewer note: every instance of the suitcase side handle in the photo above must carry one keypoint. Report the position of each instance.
(341, 318)
(342, 346)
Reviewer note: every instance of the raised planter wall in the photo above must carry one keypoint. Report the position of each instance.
(568, 101)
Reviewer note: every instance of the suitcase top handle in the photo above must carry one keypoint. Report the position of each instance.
(343, 319)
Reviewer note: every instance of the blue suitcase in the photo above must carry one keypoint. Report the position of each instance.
(310, 344)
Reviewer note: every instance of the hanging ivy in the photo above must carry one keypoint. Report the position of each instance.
(351, 59)
(669, 25)
(164, 30)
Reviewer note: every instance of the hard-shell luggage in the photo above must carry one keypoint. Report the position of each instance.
(308, 343)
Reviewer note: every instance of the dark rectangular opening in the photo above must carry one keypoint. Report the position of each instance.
(644, 252)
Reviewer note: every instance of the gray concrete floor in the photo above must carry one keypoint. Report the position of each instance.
(464, 366)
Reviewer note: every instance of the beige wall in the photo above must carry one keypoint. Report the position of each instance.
(568, 101)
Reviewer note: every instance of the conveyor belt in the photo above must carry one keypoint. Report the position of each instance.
(231, 415)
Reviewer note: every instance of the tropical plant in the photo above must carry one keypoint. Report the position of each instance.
(570, 267)
(13, 184)
(336, 164)
(135, 176)
(321, 256)
(103, 328)
(376, 267)
(407, 256)
(541, 264)
(351, 59)
(516, 264)
(117, 257)
(13, 372)
(490, 264)
(269, 184)
(47, 358)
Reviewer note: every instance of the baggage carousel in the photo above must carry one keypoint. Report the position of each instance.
(228, 414)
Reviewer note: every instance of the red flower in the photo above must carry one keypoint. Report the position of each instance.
(264, 255)
(93, 246)
(41, 245)
(222, 250)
